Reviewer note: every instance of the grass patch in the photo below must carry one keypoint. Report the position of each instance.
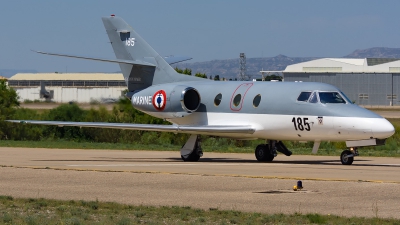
(25, 211)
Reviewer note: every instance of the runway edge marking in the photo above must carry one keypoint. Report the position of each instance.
(205, 175)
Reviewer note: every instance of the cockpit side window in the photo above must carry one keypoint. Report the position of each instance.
(331, 97)
(314, 98)
(303, 97)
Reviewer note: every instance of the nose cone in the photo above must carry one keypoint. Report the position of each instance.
(381, 128)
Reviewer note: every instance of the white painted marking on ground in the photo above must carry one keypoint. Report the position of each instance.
(174, 164)
(386, 164)
(112, 165)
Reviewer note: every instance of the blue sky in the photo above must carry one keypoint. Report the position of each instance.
(205, 30)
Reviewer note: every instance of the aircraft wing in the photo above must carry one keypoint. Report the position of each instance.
(132, 62)
(170, 59)
(193, 129)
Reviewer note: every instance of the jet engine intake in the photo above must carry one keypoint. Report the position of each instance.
(190, 99)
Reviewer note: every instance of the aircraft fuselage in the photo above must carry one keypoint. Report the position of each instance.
(272, 108)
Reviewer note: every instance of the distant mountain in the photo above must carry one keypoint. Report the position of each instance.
(10, 73)
(377, 52)
(229, 68)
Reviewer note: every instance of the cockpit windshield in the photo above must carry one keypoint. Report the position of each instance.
(331, 97)
(303, 97)
(323, 97)
(346, 98)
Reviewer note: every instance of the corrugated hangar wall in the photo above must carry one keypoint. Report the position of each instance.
(361, 88)
(72, 94)
(75, 87)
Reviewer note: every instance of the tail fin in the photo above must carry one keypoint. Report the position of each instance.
(128, 45)
(43, 92)
(42, 87)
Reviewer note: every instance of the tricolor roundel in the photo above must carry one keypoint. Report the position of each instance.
(159, 100)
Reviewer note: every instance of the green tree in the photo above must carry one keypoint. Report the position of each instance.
(178, 70)
(8, 104)
(216, 77)
(65, 112)
(202, 75)
(186, 71)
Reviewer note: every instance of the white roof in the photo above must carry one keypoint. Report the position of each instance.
(356, 62)
(68, 76)
(343, 65)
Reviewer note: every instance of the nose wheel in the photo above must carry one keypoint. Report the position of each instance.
(347, 156)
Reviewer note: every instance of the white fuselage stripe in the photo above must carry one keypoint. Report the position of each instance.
(294, 127)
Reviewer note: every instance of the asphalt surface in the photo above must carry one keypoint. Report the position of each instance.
(368, 188)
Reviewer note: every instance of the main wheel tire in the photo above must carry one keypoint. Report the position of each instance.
(346, 160)
(193, 157)
(263, 154)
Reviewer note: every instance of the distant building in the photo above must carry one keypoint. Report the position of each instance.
(368, 81)
(67, 87)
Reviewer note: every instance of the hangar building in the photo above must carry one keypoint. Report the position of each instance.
(368, 81)
(67, 87)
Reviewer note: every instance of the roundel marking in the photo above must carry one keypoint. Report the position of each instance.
(159, 100)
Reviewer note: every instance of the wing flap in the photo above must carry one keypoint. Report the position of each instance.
(204, 129)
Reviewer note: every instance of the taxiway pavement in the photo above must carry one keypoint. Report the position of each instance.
(370, 187)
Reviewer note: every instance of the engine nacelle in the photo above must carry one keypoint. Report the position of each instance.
(167, 101)
(184, 100)
(188, 98)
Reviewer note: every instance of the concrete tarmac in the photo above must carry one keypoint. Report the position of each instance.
(368, 188)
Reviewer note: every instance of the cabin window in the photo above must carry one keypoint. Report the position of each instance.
(256, 100)
(237, 99)
(304, 96)
(331, 97)
(217, 99)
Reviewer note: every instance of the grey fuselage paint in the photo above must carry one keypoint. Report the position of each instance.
(276, 98)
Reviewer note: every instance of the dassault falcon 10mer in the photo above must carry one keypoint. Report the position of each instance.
(273, 111)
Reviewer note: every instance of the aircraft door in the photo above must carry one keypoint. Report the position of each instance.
(239, 95)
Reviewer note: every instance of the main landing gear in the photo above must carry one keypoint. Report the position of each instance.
(347, 156)
(191, 151)
(267, 152)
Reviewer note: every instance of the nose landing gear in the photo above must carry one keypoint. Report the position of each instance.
(347, 156)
